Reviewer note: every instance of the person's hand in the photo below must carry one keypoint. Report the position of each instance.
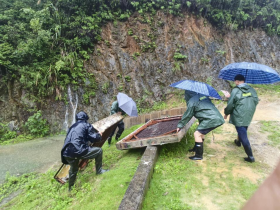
(225, 117)
(226, 93)
(178, 129)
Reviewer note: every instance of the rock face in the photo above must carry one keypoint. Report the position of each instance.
(142, 57)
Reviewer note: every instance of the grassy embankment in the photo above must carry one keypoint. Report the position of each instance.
(221, 181)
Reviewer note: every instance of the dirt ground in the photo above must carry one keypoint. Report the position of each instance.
(222, 143)
(267, 110)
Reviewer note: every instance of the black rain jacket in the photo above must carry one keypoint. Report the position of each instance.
(77, 138)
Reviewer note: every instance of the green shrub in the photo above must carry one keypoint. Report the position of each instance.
(5, 133)
(120, 88)
(179, 56)
(105, 87)
(177, 66)
(135, 55)
(127, 78)
(36, 125)
(130, 32)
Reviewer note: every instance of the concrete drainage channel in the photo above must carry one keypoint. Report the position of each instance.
(139, 185)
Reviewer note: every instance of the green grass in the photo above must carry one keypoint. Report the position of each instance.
(18, 139)
(267, 89)
(272, 128)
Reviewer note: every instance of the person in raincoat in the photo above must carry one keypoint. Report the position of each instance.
(76, 146)
(116, 109)
(208, 115)
(241, 107)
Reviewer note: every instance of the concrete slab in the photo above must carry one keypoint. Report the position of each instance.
(139, 185)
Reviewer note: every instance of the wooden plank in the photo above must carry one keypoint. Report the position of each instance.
(105, 123)
(106, 126)
(169, 132)
(135, 193)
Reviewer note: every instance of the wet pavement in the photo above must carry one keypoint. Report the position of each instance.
(32, 156)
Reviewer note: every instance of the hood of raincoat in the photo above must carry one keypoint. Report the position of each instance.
(82, 116)
(189, 95)
(244, 88)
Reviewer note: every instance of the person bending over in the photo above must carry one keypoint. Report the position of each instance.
(208, 115)
(76, 147)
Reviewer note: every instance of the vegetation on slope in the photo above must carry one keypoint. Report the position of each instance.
(43, 44)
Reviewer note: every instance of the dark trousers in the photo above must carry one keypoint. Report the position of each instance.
(119, 133)
(93, 152)
(242, 135)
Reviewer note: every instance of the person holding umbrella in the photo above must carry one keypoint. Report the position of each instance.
(241, 107)
(116, 109)
(123, 105)
(243, 98)
(200, 106)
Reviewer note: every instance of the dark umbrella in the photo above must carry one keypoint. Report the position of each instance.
(198, 87)
(127, 104)
(254, 73)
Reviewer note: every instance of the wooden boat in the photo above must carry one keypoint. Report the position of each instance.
(106, 126)
(155, 132)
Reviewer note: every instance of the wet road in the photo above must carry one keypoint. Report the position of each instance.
(33, 156)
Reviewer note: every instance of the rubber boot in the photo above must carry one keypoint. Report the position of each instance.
(237, 142)
(198, 151)
(249, 152)
(109, 140)
(72, 179)
(102, 171)
(193, 149)
(74, 168)
(98, 165)
(117, 136)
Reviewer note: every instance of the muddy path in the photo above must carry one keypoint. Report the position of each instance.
(268, 109)
(223, 157)
(33, 156)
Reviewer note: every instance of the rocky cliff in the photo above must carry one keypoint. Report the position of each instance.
(142, 57)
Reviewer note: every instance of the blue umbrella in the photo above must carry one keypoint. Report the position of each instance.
(254, 73)
(127, 104)
(198, 87)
